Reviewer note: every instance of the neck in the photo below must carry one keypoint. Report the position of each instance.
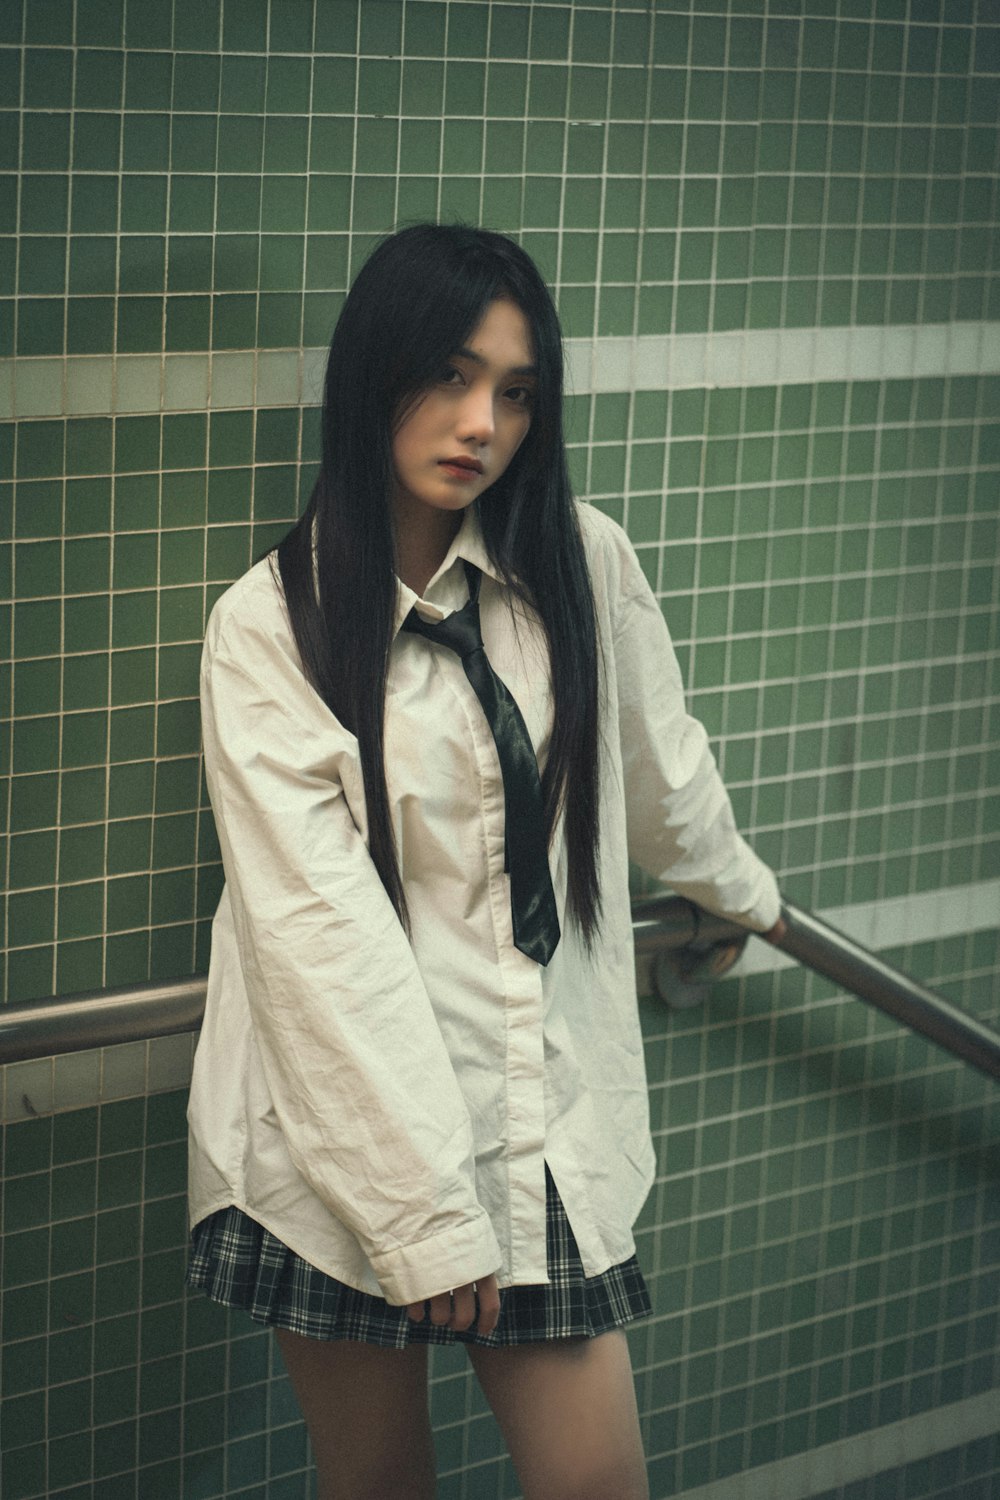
(422, 544)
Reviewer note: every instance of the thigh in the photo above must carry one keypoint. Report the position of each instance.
(367, 1414)
(568, 1413)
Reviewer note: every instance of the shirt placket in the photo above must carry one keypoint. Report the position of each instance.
(523, 1059)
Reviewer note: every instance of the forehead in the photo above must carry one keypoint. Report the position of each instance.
(502, 338)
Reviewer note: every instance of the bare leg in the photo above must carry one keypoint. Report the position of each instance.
(366, 1411)
(567, 1410)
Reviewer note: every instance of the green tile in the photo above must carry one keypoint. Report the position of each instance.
(99, 79)
(39, 509)
(137, 447)
(34, 802)
(288, 81)
(196, 75)
(88, 445)
(140, 325)
(86, 564)
(85, 681)
(48, 72)
(192, 203)
(31, 859)
(27, 1417)
(281, 261)
(12, 26)
(241, 143)
(81, 853)
(42, 327)
(32, 917)
(144, 203)
(237, 259)
(88, 506)
(147, 80)
(234, 322)
(177, 725)
(29, 974)
(183, 439)
(43, 265)
(181, 556)
(81, 911)
(128, 902)
(113, 1444)
(272, 489)
(179, 669)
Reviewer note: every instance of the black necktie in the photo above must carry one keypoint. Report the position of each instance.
(532, 900)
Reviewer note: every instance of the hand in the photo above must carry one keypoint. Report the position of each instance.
(457, 1309)
(777, 932)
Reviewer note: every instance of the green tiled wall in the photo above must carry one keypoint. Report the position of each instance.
(185, 193)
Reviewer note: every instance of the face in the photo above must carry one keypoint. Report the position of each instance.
(463, 433)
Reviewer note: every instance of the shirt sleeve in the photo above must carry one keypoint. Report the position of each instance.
(681, 826)
(357, 1070)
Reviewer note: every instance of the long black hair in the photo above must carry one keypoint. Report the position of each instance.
(414, 304)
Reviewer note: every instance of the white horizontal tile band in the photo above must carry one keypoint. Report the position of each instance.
(99, 385)
(783, 357)
(859, 1457)
(896, 922)
(80, 1079)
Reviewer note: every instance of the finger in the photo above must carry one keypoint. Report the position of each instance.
(415, 1312)
(463, 1312)
(440, 1309)
(489, 1305)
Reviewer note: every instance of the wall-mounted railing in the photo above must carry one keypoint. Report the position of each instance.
(690, 948)
(852, 967)
(100, 1018)
(712, 945)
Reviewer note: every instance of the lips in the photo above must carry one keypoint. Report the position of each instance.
(461, 464)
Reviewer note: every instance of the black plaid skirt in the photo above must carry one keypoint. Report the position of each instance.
(240, 1264)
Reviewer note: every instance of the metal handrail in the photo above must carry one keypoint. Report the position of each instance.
(662, 924)
(100, 1018)
(852, 967)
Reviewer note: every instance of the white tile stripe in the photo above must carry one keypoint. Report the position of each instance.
(99, 385)
(897, 921)
(860, 1457)
(783, 357)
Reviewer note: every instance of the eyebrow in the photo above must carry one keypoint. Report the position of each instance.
(477, 359)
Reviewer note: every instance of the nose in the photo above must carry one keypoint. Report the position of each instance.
(476, 418)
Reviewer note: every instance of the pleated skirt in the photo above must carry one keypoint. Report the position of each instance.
(238, 1263)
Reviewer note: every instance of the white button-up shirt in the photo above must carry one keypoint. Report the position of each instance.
(386, 1105)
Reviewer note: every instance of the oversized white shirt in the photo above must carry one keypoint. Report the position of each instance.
(386, 1105)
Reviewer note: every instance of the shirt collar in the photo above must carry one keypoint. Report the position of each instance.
(437, 600)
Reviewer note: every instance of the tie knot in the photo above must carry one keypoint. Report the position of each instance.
(460, 631)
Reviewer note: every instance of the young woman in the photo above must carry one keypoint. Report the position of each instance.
(437, 723)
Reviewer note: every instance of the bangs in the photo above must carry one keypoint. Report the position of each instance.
(420, 297)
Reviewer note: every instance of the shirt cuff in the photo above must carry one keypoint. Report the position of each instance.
(412, 1273)
(766, 908)
(750, 896)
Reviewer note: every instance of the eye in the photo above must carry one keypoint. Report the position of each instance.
(450, 376)
(520, 395)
